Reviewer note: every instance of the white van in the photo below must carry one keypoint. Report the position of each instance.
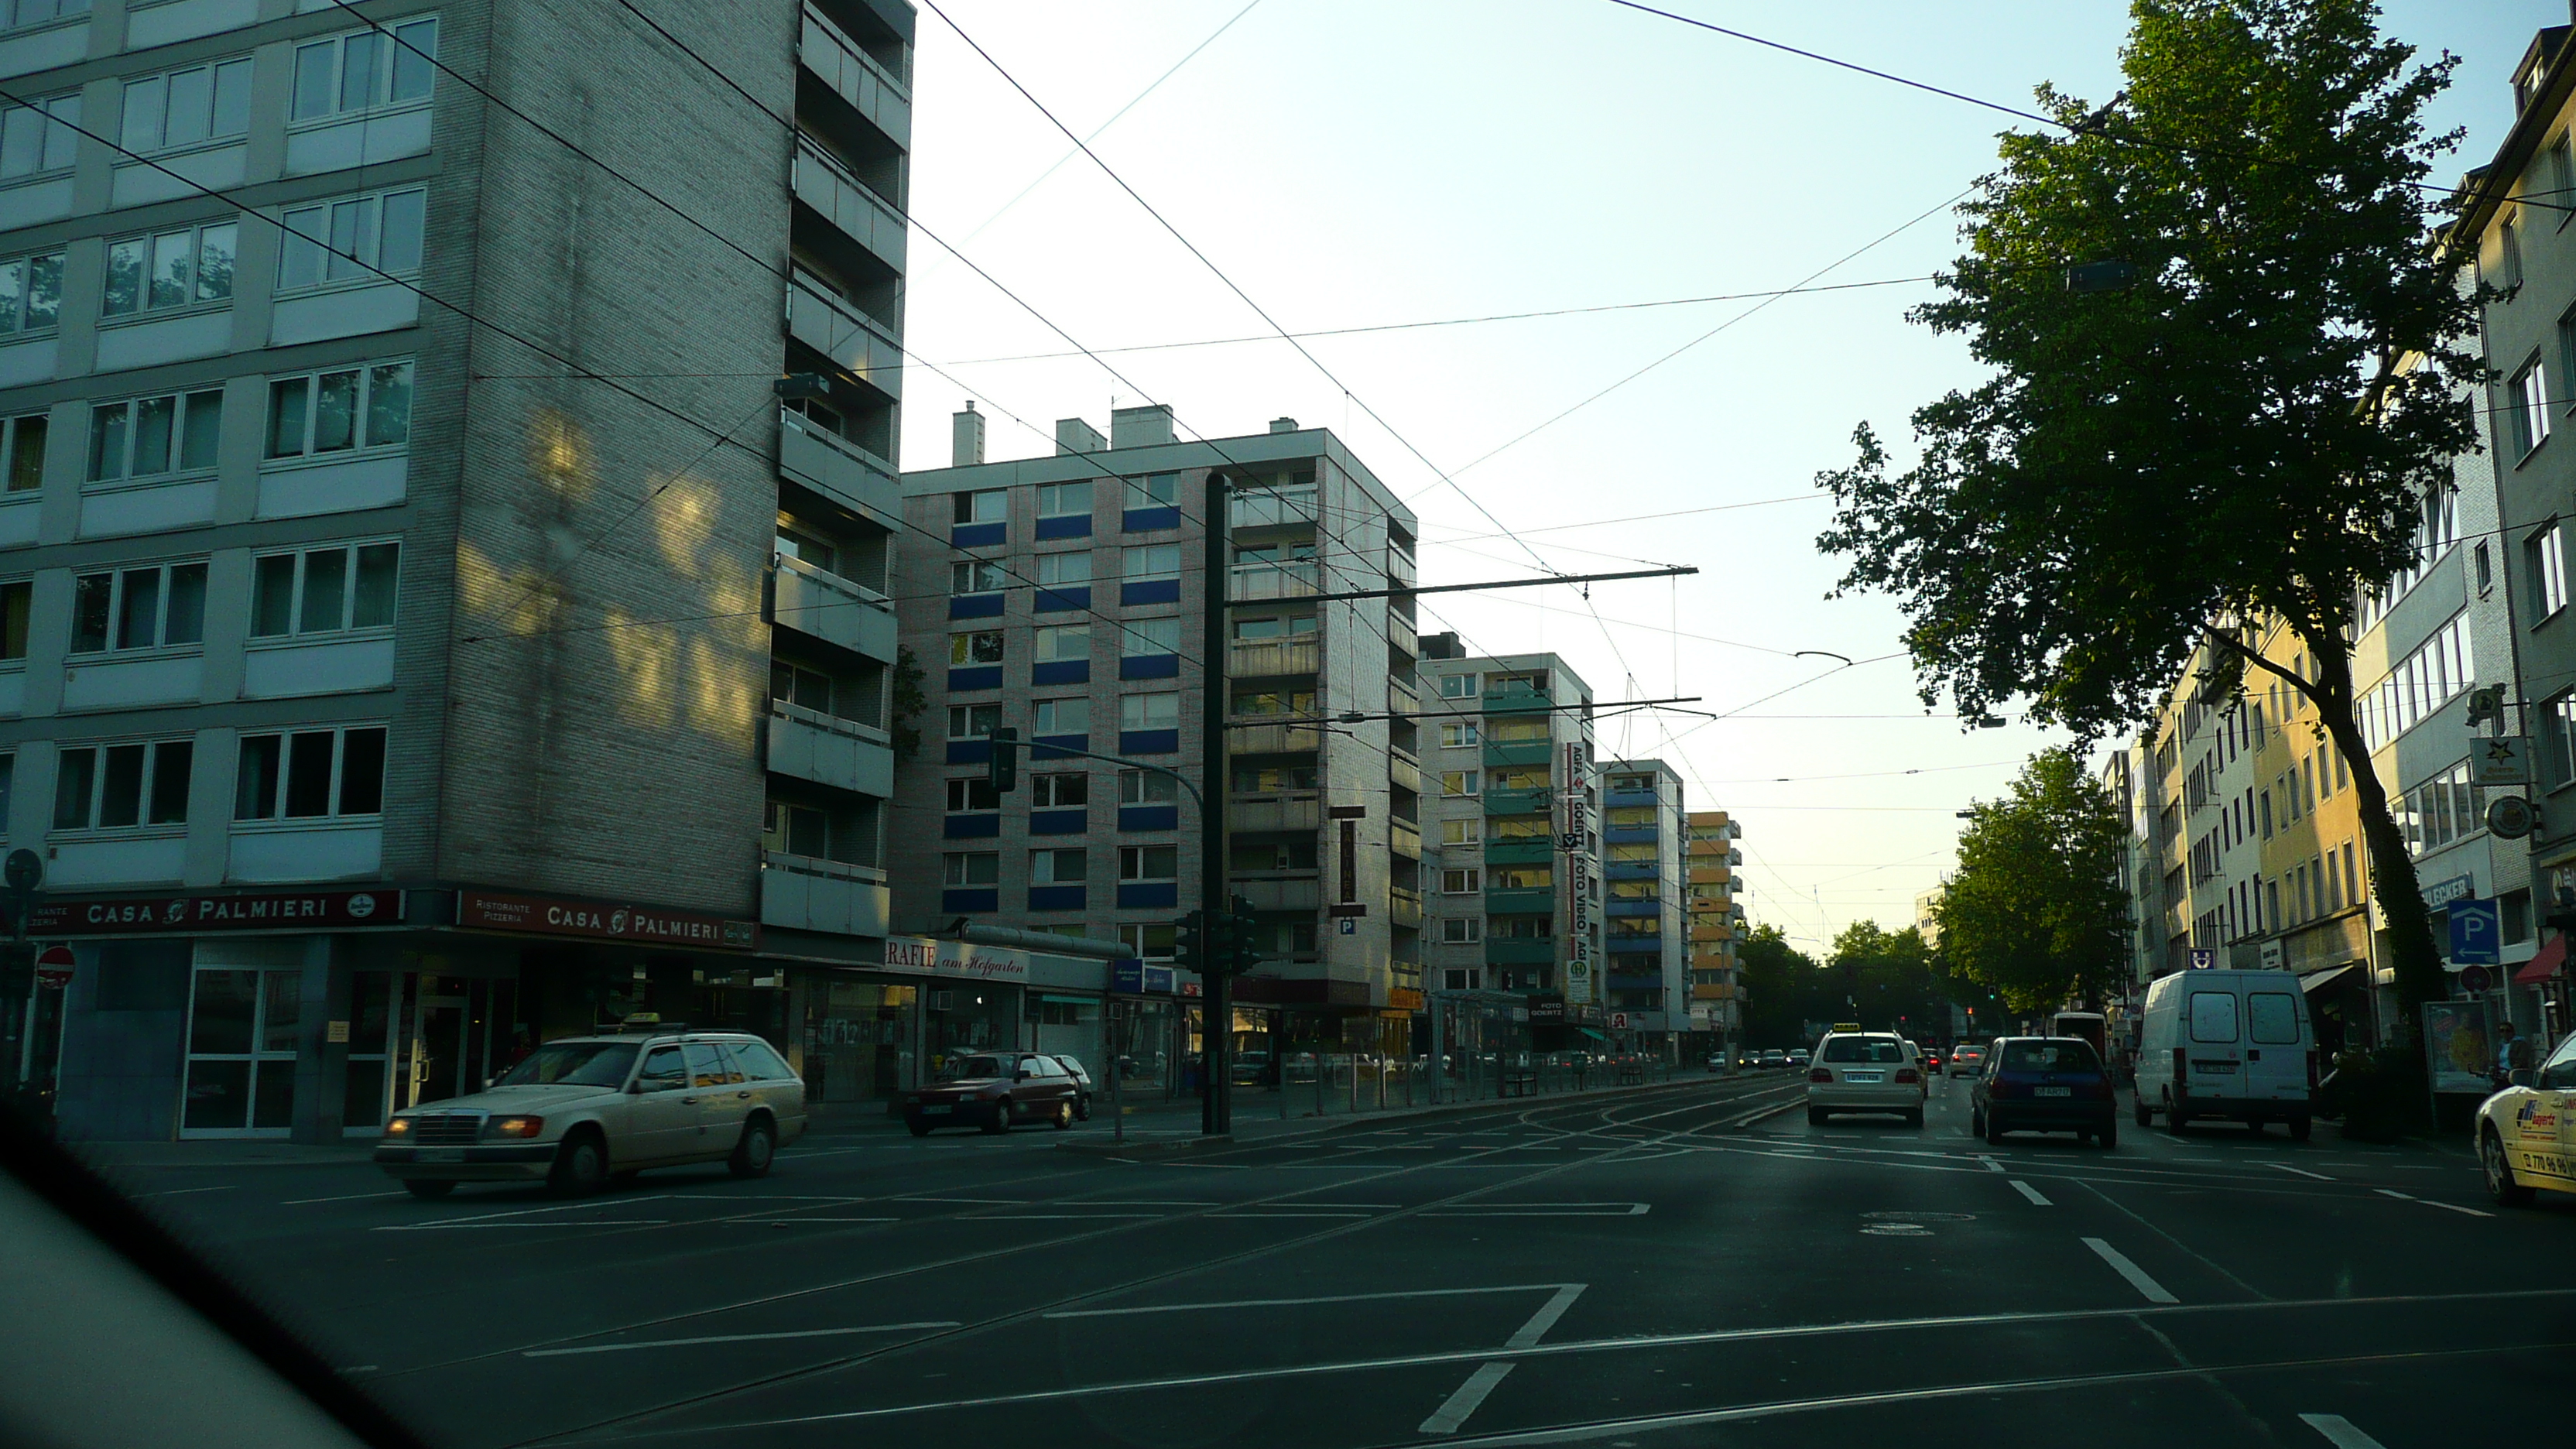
(2234, 1044)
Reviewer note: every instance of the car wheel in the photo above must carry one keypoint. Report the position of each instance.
(581, 1166)
(1001, 1117)
(1063, 1119)
(2501, 1183)
(2300, 1127)
(1976, 1122)
(1994, 1132)
(752, 1155)
(1816, 1116)
(1082, 1109)
(428, 1186)
(916, 1127)
(2173, 1117)
(2109, 1136)
(1914, 1118)
(2083, 1136)
(2141, 1113)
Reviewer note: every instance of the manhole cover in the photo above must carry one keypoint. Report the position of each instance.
(1925, 1217)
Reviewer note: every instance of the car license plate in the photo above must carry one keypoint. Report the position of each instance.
(439, 1154)
(1864, 1077)
(2216, 1069)
(934, 1111)
(2057, 1091)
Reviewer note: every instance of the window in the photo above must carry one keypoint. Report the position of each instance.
(1275, 703)
(310, 773)
(1271, 779)
(2440, 667)
(1457, 686)
(1149, 711)
(341, 410)
(2485, 567)
(321, 590)
(1455, 735)
(139, 608)
(31, 293)
(1459, 882)
(170, 270)
(148, 437)
(2213, 1016)
(1154, 490)
(1461, 930)
(22, 452)
(1146, 787)
(120, 787)
(16, 597)
(1460, 782)
(1520, 877)
(1149, 862)
(39, 136)
(2528, 422)
(1060, 570)
(972, 721)
(992, 505)
(1060, 791)
(796, 829)
(2352, 873)
(2509, 255)
(974, 576)
(1459, 833)
(1515, 827)
(365, 69)
(971, 868)
(806, 547)
(2546, 554)
(1142, 562)
(1059, 867)
(1516, 731)
(1261, 855)
(1144, 638)
(982, 647)
(355, 240)
(973, 792)
(1057, 642)
(2560, 172)
(804, 688)
(1064, 500)
(1149, 940)
(1275, 626)
(185, 107)
(16, 14)
(1062, 716)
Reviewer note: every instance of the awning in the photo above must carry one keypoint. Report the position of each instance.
(1587, 1031)
(2553, 954)
(2316, 981)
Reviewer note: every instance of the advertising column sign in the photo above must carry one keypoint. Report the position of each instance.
(1573, 843)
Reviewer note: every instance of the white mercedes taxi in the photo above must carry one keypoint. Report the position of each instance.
(1864, 1071)
(582, 1110)
(2527, 1132)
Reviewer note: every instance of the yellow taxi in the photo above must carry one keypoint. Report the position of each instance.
(2527, 1132)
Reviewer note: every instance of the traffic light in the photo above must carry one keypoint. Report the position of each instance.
(1242, 952)
(1002, 766)
(1190, 942)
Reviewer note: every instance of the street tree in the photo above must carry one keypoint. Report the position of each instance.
(2239, 425)
(1783, 988)
(2034, 908)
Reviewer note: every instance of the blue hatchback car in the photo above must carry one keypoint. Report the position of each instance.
(2044, 1084)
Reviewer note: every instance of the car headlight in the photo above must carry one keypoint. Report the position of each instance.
(398, 1127)
(514, 1126)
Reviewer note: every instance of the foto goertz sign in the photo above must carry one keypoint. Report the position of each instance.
(1574, 836)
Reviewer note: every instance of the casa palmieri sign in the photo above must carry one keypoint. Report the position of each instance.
(299, 910)
(599, 921)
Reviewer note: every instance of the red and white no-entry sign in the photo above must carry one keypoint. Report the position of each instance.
(54, 967)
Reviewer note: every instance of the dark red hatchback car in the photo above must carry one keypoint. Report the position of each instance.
(2044, 1084)
(992, 1091)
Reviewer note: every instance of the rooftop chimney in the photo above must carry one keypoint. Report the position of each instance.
(966, 437)
(1140, 427)
(1283, 425)
(1073, 435)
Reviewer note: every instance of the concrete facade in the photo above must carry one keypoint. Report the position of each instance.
(1643, 818)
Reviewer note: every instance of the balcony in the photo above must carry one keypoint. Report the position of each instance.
(844, 754)
(1257, 813)
(821, 184)
(1402, 773)
(872, 90)
(1404, 840)
(802, 893)
(1631, 870)
(832, 609)
(1516, 752)
(1295, 580)
(1633, 906)
(1516, 698)
(1517, 802)
(1612, 799)
(1711, 931)
(1519, 950)
(1519, 900)
(1519, 850)
(1701, 874)
(838, 469)
(1286, 656)
(1722, 992)
(1274, 739)
(1274, 894)
(1404, 908)
(1628, 835)
(846, 335)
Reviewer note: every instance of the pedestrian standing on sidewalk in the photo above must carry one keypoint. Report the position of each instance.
(2513, 1054)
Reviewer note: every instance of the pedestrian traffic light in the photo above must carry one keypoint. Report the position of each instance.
(1190, 942)
(1002, 766)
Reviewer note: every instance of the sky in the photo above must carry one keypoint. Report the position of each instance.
(1359, 163)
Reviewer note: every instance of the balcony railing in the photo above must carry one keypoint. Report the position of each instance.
(872, 90)
(838, 469)
(831, 608)
(1286, 656)
(1296, 579)
(1274, 739)
(1280, 895)
(844, 754)
(1251, 813)
(1404, 907)
(849, 203)
(1404, 840)
(846, 335)
(803, 893)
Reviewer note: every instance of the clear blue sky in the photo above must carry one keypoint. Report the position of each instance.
(1360, 162)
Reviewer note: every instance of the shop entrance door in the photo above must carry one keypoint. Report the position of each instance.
(460, 1035)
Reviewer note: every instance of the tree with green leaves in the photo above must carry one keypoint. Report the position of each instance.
(2245, 431)
(1782, 988)
(2034, 909)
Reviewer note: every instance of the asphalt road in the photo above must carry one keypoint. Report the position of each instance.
(1645, 1270)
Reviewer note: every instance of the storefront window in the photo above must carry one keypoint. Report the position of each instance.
(241, 1051)
(981, 1017)
(856, 1037)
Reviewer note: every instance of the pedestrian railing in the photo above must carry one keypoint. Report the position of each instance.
(1322, 1084)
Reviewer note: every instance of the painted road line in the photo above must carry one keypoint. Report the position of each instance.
(1301, 1302)
(2137, 1276)
(2428, 1202)
(2301, 1171)
(344, 1197)
(1454, 1410)
(2339, 1431)
(517, 1213)
(734, 1338)
(783, 1221)
(1546, 1317)
(2028, 1191)
(1991, 1164)
(181, 1191)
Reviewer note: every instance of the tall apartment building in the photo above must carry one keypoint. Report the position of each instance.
(382, 689)
(1715, 891)
(1512, 804)
(1645, 945)
(1073, 614)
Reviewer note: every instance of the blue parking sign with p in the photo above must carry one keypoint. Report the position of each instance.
(2477, 930)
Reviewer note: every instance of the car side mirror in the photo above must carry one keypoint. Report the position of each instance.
(2522, 1077)
(1023, 1074)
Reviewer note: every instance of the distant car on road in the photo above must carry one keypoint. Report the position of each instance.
(1965, 1061)
(991, 1091)
(2527, 1132)
(1799, 1058)
(1864, 1071)
(2045, 1084)
(1772, 1057)
(582, 1110)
